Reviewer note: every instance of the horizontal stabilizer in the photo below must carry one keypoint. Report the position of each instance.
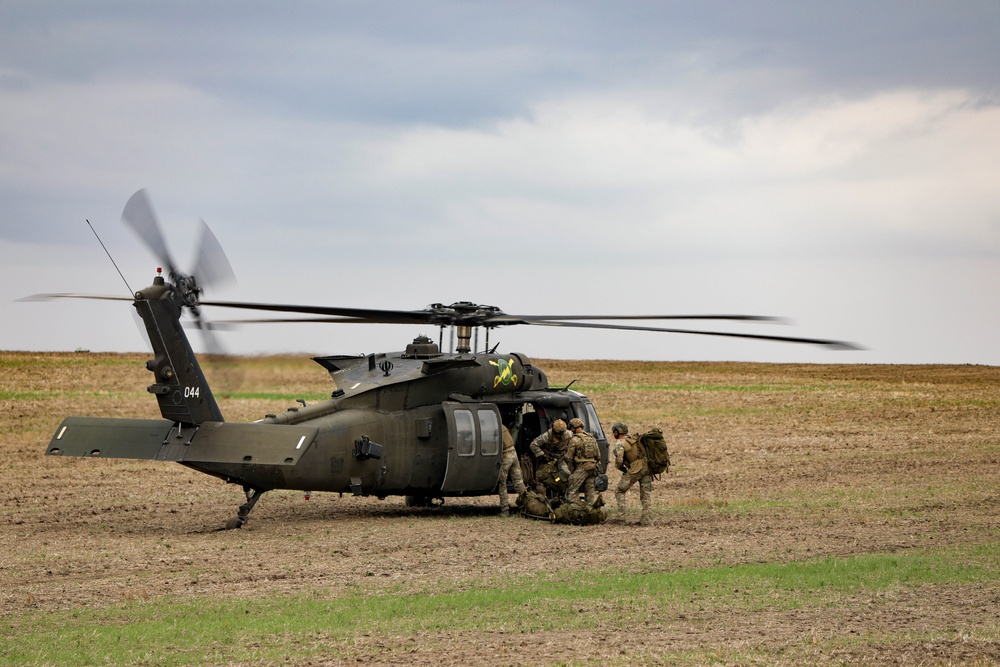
(163, 440)
(110, 437)
(262, 444)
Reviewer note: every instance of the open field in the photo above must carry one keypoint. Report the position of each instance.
(814, 515)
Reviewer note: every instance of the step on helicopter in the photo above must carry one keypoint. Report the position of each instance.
(419, 423)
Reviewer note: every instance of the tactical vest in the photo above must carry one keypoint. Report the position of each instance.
(631, 452)
(587, 449)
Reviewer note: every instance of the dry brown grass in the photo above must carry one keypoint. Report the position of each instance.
(772, 463)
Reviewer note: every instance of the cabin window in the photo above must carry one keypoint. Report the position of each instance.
(595, 423)
(465, 433)
(489, 429)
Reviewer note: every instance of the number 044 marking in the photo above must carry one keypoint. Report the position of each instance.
(192, 392)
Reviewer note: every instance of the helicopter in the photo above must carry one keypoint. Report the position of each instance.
(418, 423)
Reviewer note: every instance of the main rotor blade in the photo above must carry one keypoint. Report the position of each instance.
(830, 344)
(212, 267)
(448, 315)
(505, 319)
(138, 214)
(297, 320)
(356, 314)
(49, 297)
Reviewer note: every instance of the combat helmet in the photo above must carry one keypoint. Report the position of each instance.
(558, 426)
(575, 423)
(619, 427)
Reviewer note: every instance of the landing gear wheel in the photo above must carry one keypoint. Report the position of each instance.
(241, 518)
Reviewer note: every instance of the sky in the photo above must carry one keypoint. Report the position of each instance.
(836, 164)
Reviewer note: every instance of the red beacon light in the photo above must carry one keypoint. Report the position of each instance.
(158, 278)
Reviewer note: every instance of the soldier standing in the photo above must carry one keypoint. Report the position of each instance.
(509, 469)
(631, 460)
(584, 457)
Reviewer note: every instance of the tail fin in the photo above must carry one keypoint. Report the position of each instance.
(179, 385)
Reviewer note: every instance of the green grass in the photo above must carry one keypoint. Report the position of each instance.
(62, 394)
(176, 632)
(62, 360)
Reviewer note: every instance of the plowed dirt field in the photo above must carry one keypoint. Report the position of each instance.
(773, 465)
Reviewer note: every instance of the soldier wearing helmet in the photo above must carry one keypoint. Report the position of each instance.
(583, 457)
(631, 460)
(548, 449)
(549, 446)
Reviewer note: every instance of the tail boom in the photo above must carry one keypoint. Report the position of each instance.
(180, 386)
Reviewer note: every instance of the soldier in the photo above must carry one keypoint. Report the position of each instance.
(630, 459)
(549, 446)
(509, 468)
(583, 456)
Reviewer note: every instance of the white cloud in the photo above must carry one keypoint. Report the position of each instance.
(823, 176)
(916, 167)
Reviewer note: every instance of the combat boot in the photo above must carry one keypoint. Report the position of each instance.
(620, 502)
(645, 519)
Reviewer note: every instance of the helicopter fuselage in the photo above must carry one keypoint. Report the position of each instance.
(415, 423)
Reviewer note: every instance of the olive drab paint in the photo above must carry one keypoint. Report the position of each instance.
(417, 423)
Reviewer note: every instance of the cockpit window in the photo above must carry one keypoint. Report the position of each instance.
(594, 423)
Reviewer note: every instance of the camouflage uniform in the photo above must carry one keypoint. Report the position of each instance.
(551, 445)
(629, 459)
(584, 455)
(509, 467)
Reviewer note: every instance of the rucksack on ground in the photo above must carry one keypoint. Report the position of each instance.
(655, 447)
(578, 513)
(535, 506)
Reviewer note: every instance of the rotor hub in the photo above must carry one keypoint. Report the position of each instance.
(187, 289)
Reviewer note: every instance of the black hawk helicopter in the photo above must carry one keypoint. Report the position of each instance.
(418, 423)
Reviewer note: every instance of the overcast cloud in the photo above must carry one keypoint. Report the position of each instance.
(835, 163)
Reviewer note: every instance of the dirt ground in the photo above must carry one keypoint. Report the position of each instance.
(772, 463)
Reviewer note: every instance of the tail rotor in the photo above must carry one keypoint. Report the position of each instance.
(211, 267)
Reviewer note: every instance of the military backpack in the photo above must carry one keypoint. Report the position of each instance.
(553, 478)
(578, 513)
(655, 447)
